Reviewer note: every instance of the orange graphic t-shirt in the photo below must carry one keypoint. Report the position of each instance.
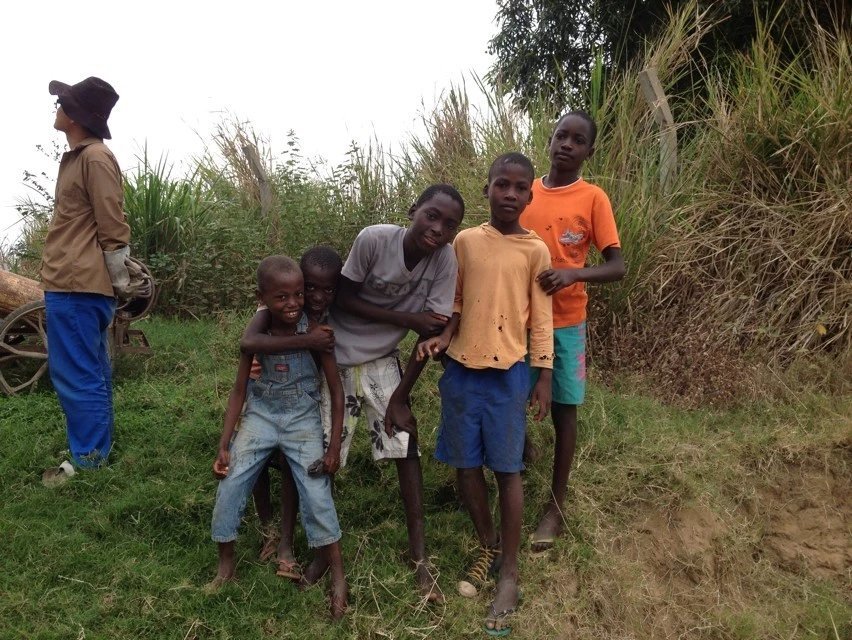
(570, 219)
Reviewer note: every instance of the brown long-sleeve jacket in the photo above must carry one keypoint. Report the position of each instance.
(88, 219)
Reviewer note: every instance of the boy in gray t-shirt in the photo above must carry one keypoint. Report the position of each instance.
(377, 262)
(395, 279)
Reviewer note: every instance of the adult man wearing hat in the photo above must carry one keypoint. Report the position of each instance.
(83, 271)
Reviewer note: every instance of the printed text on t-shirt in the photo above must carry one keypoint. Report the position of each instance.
(393, 289)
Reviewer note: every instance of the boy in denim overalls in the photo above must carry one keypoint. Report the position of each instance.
(320, 267)
(283, 413)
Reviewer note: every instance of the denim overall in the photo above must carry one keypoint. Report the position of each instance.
(282, 412)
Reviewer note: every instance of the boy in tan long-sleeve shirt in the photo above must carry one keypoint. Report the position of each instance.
(484, 389)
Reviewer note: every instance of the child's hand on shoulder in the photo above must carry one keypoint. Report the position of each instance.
(432, 348)
(222, 464)
(554, 280)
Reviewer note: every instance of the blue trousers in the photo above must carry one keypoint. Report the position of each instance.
(81, 371)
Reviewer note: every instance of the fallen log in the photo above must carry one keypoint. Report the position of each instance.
(16, 291)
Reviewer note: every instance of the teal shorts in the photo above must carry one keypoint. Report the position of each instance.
(569, 365)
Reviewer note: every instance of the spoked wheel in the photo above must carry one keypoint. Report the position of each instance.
(23, 348)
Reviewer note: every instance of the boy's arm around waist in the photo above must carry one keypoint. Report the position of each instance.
(434, 347)
(613, 269)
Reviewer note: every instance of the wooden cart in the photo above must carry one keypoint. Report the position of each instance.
(23, 333)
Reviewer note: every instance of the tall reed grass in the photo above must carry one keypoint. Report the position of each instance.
(166, 215)
(763, 236)
(749, 251)
(752, 247)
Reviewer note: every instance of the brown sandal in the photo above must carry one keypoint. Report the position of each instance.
(289, 569)
(269, 549)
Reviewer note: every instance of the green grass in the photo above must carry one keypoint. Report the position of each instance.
(124, 552)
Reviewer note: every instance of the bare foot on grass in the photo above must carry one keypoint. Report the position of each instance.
(314, 573)
(426, 577)
(217, 583)
(339, 595)
(549, 528)
(226, 571)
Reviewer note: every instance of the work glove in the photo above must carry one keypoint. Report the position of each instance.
(116, 262)
(140, 281)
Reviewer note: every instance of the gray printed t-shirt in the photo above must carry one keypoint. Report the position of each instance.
(377, 261)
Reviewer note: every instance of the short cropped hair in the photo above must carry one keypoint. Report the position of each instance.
(274, 264)
(322, 256)
(512, 158)
(584, 116)
(435, 189)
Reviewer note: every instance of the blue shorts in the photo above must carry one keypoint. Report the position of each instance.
(569, 365)
(483, 417)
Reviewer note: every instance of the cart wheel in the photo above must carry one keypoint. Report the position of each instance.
(23, 348)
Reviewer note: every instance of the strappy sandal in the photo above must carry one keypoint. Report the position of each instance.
(486, 564)
(495, 618)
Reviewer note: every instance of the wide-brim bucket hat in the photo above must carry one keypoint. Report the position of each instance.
(89, 103)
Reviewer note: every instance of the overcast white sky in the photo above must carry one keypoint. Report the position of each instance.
(333, 71)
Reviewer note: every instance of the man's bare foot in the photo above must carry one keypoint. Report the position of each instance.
(426, 577)
(339, 595)
(549, 528)
(314, 573)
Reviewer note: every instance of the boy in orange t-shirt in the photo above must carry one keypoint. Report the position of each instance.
(570, 215)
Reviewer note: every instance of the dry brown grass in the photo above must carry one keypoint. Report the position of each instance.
(760, 252)
(707, 533)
